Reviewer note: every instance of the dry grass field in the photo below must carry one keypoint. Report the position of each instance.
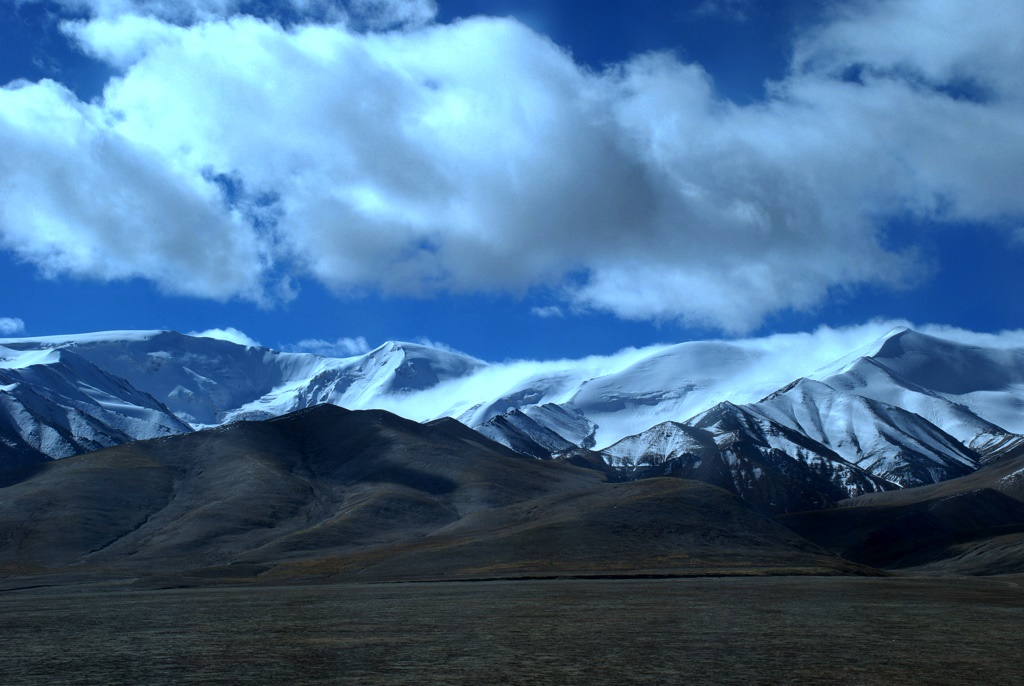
(775, 630)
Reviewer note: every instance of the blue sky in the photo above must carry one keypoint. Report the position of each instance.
(511, 178)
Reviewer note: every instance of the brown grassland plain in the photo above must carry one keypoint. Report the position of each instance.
(738, 630)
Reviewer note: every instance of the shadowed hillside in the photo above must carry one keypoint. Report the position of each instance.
(970, 525)
(370, 495)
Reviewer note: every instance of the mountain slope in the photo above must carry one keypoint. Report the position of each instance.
(774, 468)
(970, 525)
(207, 381)
(974, 394)
(656, 527)
(65, 395)
(886, 441)
(318, 479)
(367, 494)
(520, 432)
(55, 403)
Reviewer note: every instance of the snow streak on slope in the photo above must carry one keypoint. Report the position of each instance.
(889, 442)
(631, 391)
(521, 433)
(63, 395)
(897, 411)
(54, 403)
(659, 444)
(773, 468)
(731, 425)
(974, 394)
(376, 379)
(990, 382)
(208, 381)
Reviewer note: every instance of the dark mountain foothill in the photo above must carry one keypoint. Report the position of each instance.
(970, 525)
(331, 493)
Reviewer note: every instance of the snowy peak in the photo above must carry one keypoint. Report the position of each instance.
(523, 434)
(394, 369)
(774, 469)
(411, 367)
(570, 425)
(842, 363)
(55, 403)
(659, 444)
(885, 440)
(541, 431)
(974, 394)
(951, 368)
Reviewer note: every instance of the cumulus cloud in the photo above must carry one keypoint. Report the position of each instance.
(230, 334)
(341, 347)
(478, 156)
(80, 198)
(10, 326)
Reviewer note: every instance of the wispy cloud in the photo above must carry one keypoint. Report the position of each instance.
(480, 140)
(340, 347)
(229, 334)
(422, 340)
(548, 312)
(741, 371)
(11, 326)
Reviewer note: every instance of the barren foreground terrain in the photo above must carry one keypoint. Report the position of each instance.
(806, 630)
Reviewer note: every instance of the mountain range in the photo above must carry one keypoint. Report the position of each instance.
(907, 410)
(156, 450)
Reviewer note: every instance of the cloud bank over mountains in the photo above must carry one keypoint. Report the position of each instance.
(373, 149)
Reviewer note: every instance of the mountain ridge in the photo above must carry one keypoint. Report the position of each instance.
(867, 420)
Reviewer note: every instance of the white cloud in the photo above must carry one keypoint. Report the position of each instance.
(438, 345)
(478, 156)
(341, 347)
(10, 326)
(80, 198)
(230, 334)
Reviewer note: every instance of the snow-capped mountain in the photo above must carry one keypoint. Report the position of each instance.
(887, 441)
(903, 410)
(63, 395)
(55, 403)
(888, 415)
(627, 393)
(776, 468)
(517, 430)
(975, 394)
(207, 382)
